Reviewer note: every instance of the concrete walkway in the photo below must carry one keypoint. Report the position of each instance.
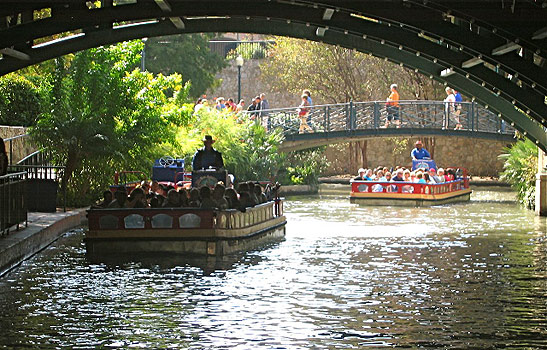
(42, 230)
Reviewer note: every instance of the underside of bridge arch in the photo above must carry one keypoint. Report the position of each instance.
(496, 55)
(304, 141)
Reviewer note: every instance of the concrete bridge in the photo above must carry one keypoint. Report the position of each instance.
(335, 123)
(494, 54)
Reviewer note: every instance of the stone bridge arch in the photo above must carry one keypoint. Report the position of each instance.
(491, 51)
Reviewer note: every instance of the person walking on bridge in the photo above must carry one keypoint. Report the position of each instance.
(392, 106)
(303, 111)
(449, 107)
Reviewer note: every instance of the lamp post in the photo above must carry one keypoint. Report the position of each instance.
(239, 63)
(143, 55)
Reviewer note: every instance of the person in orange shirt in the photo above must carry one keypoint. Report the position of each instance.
(392, 106)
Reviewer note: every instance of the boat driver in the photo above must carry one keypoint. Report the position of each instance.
(419, 152)
(207, 157)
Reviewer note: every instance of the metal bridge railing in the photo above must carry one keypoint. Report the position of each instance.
(13, 208)
(421, 114)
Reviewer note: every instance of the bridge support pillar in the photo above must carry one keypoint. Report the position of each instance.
(541, 184)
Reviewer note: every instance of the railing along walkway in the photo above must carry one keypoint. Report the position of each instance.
(13, 208)
(414, 115)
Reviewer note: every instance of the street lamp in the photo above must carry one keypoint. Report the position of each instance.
(143, 55)
(239, 63)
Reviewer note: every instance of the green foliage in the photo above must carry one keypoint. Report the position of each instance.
(520, 169)
(248, 51)
(295, 64)
(306, 166)
(188, 55)
(103, 118)
(248, 151)
(21, 101)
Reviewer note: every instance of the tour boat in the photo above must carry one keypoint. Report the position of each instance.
(184, 230)
(410, 194)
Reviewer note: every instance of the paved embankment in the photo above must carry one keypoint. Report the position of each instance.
(42, 230)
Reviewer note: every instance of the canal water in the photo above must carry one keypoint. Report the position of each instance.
(346, 277)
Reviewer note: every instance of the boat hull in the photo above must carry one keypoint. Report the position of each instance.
(410, 200)
(196, 244)
(183, 231)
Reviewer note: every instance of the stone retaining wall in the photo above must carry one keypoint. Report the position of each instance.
(21, 146)
(479, 156)
(251, 86)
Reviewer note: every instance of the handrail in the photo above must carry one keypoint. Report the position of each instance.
(10, 140)
(373, 115)
(405, 102)
(10, 175)
(12, 201)
(408, 188)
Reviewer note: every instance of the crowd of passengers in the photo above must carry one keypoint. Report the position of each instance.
(431, 176)
(155, 195)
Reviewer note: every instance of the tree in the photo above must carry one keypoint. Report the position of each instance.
(188, 55)
(336, 74)
(103, 116)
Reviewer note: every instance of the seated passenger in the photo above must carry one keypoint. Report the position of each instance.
(450, 174)
(231, 197)
(206, 200)
(420, 177)
(380, 176)
(145, 185)
(360, 175)
(428, 179)
(218, 197)
(154, 186)
(440, 175)
(194, 201)
(252, 195)
(107, 199)
(259, 194)
(398, 176)
(244, 201)
(137, 199)
(183, 194)
(250, 199)
(433, 176)
(120, 197)
(406, 176)
(173, 199)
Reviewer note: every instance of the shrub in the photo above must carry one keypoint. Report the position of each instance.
(520, 169)
(20, 101)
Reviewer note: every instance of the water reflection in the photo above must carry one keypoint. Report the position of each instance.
(462, 276)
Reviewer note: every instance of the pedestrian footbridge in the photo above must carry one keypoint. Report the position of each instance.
(334, 123)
